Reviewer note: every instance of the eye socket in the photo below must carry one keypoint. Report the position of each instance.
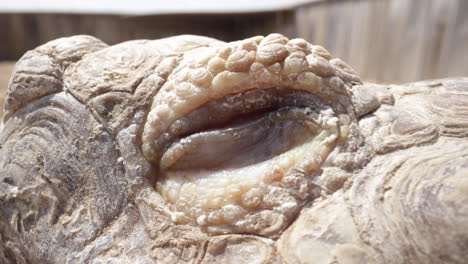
(238, 135)
(235, 166)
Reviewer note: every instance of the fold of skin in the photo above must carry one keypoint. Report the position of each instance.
(192, 150)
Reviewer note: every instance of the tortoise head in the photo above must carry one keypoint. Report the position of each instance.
(191, 149)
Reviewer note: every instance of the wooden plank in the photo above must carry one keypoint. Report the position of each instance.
(392, 40)
(6, 68)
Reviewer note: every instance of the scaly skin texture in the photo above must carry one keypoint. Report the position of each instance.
(192, 150)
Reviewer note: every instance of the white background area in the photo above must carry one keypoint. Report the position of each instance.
(147, 7)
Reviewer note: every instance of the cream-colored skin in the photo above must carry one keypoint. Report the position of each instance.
(192, 150)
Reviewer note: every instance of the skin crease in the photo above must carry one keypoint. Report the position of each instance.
(101, 157)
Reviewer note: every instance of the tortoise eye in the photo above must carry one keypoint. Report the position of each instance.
(236, 146)
(252, 172)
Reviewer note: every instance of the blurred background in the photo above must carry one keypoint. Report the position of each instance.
(386, 41)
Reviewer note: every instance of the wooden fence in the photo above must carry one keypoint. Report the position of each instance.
(392, 40)
(22, 32)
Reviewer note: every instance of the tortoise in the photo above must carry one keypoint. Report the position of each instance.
(191, 150)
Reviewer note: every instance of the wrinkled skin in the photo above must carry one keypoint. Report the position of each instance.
(192, 150)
